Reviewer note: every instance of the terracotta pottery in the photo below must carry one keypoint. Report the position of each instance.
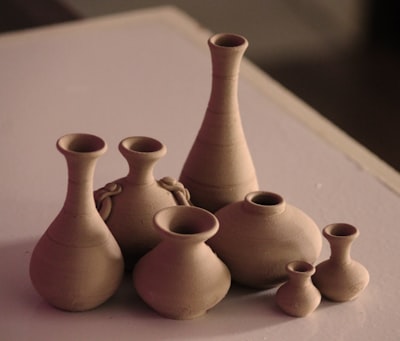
(259, 235)
(219, 169)
(128, 204)
(182, 278)
(77, 264)
(298, 296)
(340, 278)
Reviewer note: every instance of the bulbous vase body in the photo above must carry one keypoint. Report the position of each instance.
(298, 296)
(340, 278)
(77, 264)
(182, 278)
(128, 204)
(219, 169)
(259, 235)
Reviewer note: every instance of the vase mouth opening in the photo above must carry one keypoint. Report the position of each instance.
(300, 267)
(186, 222)
(340, 230)
(141, 144)
(228, 40)
(264, 198)
(81, 143)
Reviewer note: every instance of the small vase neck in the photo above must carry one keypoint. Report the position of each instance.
(141, 153)
(340, 237)
(227, 51)
(264, 203)
(300, 272)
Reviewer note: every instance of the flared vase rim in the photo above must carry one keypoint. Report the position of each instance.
(340, 231)
(300, 268)
(186, 223)
(142, 146)
(228, 41)
(82, 145)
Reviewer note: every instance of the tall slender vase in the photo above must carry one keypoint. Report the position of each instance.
(77, 264)
(298, 296)
(182, 278)
(128, 204)
(340, 278)
(219, 169)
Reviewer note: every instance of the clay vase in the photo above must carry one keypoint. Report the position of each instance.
(182, 278)
(219, 169)
(340, 278)
(128, 204)
(259, 235)
(298, 296)
(77, 264)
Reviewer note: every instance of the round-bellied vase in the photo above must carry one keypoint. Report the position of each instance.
(340, 278)
(77, 264)
(182, 278)
(128, 204)
(298, 296)
(259, 235)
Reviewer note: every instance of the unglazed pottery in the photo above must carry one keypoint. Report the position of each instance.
(182, 278)
(298, 296)
(219, 169)
(128, 204)
(340, 278)
(259, 235)
(77, 264)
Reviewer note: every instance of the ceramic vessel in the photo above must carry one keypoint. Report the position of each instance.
(259, 235)
(340, 278)
(77, 264)
(219, 169)
(182, 278)
(128, 204)
(298, 296)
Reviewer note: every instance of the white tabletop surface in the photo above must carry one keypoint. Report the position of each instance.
(148, 73)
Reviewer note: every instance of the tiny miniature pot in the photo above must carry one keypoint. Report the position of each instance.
(298, 296)
(340, 278)
(182, 278)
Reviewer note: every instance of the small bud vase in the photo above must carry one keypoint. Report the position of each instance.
(182, 278)
(219, 169)
(259, 235)
(128, 204)
(77, 264)
(298, 296)
(340, 278)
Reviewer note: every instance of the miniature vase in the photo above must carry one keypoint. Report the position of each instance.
(182, 278)
(128, 204)
(298, 296)
(77, 264)
(219, 169)
(259, 235)
(340, 278)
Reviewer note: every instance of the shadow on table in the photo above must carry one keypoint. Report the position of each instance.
(241, 311)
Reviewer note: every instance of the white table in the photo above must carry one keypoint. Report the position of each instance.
(148, 73)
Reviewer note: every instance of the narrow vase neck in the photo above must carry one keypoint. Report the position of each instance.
(227, 51)
(340, 238)
(141, 153)
(300, 273)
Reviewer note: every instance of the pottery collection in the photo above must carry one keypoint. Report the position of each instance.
(184, 241)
